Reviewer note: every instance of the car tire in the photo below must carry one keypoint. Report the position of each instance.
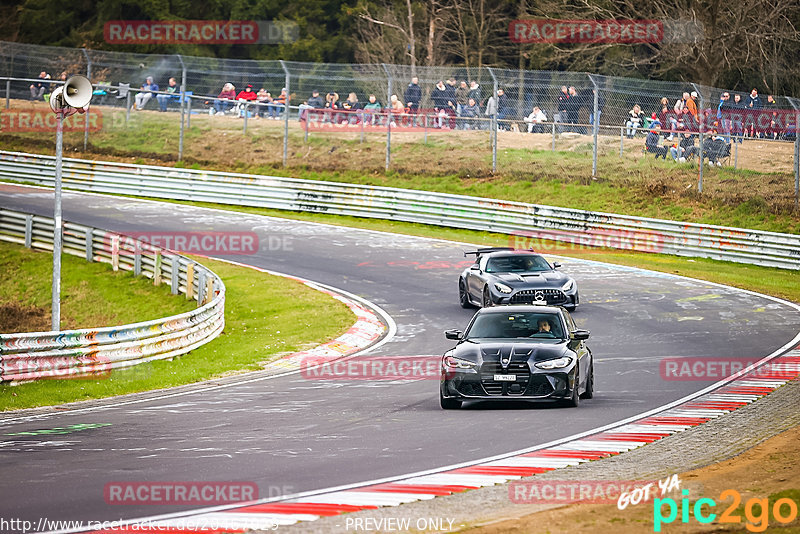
(448, 404)
(463, 297)
(486, 301)
(575, 400)
(589, 393)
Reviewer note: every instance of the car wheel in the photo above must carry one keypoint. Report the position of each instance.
(448, 404)
(589, 393)
(486, 302)
(574, 401)
(463, 297)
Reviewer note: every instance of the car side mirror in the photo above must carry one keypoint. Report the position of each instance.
(556, 265)
(475, 267)
(453, 334)
(579, 335)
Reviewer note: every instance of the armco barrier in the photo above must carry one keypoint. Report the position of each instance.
(70, 353)
(458, 211)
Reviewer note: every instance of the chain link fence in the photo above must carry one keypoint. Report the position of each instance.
(498, 116)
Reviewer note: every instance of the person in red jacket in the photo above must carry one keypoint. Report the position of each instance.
(247, 94)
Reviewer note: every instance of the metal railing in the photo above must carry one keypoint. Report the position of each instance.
(524, 222)
(97, 351)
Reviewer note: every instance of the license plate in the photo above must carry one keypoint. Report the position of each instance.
(505, 378)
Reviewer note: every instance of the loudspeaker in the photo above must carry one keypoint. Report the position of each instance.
(75, 93)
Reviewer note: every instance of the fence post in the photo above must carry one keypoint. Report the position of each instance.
(796, 161)
(735, 154)
(494, 121)
(28, 231)
(183, 99)
(595, 125)
(388, 116)
(246, 112)
(8, 94)
(621, 140)
(701, 124)
(286, 110)
(127, 107)
(425, 140)
(86, 122)
(175, 267)
(89, 244)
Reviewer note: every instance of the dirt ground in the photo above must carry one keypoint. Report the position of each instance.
(761, 472)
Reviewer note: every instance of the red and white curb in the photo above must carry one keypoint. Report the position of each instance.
(714, 401)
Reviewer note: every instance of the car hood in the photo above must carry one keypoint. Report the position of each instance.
(538, 351)
(533, 280)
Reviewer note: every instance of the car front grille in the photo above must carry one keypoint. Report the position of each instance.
(518, 387)
(540, 386)
(529, 296)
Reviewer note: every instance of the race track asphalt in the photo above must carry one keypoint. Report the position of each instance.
(292, 434)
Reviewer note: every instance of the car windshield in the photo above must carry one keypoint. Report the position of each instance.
(516, 264)
(517, 325)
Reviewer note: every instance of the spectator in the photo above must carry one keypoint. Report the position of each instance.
(353, 108)
(680, 104)
(692, 105)
(371, 110)
(491, 107)
(737, 118)
(771, 107)
(502, 110)
(535, 119)
(314, 103)
(264, 100)
(684, 148)
(651, 143)
(396, 109)
(635, 120)
(724, 113)
(246, 96)
(144, 96)
(573, 107)
(475, 92)
(470, 113)
(278, 104)
(715, 149)
(331, 105)
(225, 99)
(666, 117)
(462, 99)
(450, 87)
(752, 104)
(413, 96)
(38, 88)
(172, 92)
(441, 103)
(563, 107)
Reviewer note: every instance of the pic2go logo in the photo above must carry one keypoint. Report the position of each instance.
(756, 511)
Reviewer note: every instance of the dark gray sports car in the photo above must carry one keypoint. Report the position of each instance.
(518, 353)
(508, 276)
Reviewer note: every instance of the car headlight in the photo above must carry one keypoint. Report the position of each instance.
(502, 288)
(555, 364)
(457, 363)
(568, 286)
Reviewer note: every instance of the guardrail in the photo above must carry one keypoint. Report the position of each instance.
(585, 228)
(98, 351)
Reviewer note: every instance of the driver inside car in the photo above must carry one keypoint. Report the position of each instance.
(544, 329)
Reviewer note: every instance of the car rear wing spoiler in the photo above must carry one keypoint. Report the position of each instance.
(481, 251)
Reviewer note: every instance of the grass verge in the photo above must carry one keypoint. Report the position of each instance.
(266, 316)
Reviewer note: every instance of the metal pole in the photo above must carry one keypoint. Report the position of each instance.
(56, 287)
(494, 121)
(362, 125)
(308, 117)
(796, 161)
(595, 127)
(8, 93)
(388, 117)
(735, 153)
(621, 140)
(701, 128)
(553, 131)
(244, 127)
(86, 121)
(183, 99)
(127, 107)
(286, 109)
